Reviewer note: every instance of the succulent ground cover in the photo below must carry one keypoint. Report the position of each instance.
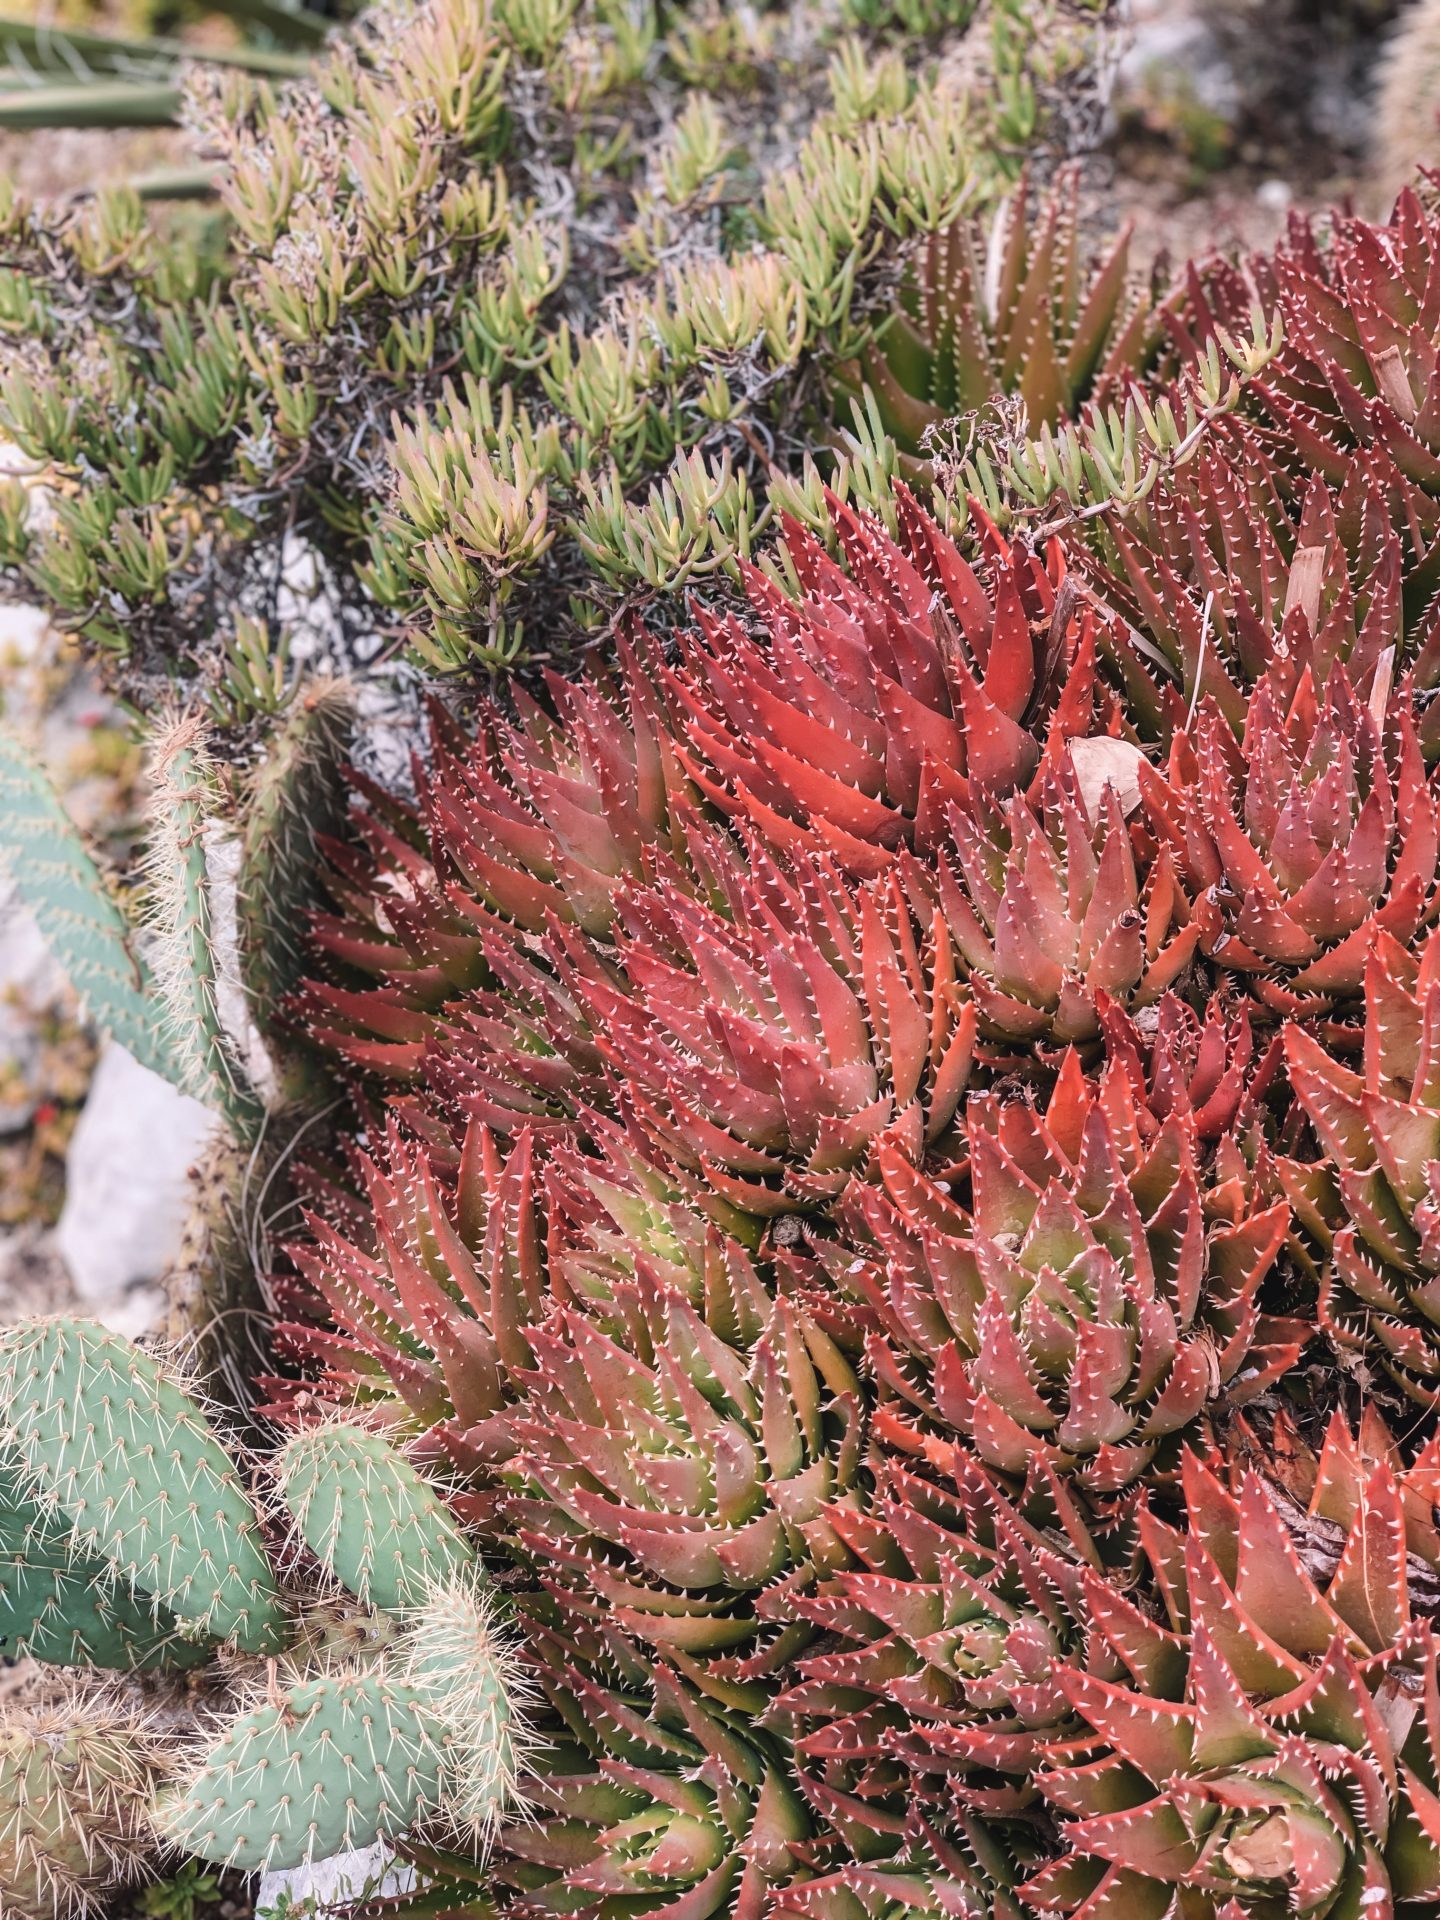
(895, 1157)
(876, 1197)
(519, 316)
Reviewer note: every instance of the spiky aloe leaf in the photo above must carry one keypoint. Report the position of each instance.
(676, 1802)
(1316, 830)
(1015, 309)
(47, 860)
(68, 77)
(73, 52)
(1297, 1633)
(102, 103)
(110, 1445)
(289, 25)
(1370, 1198)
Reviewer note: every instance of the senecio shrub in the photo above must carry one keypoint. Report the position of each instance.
(898, 1158)
(520, 316)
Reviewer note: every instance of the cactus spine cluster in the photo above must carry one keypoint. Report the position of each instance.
(75, 1775)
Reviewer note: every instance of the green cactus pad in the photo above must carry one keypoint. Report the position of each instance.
(112, 1449)
(459, 1655)
(72, 1612)
(365, 1512)
(42, 850)
(327, 1766)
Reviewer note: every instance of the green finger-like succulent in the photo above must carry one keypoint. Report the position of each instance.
(363, 1510)
(324, 1766)
(115, 1450)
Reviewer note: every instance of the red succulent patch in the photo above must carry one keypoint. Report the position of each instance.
(901, 1160)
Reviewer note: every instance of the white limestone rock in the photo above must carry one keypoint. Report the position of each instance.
(127, 1194)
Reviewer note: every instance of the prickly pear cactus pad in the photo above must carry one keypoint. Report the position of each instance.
(104, 1439)
(369, 1516)
(72, 1612)
(321, 1767)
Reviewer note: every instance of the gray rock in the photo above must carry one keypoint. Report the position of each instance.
(1176, 54)
(127, 1193)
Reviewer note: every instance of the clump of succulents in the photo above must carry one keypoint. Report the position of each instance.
(894, 1154)
(519, 323)
(1018, 310)
(891, 1154)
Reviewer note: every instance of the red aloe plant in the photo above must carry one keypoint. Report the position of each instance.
(1315, 828)
(1223, 566)
(936, 1685)
(1099, 1290)
(891, 692)
(870, 1103)
(1371, 1201)
(1275, 1737)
